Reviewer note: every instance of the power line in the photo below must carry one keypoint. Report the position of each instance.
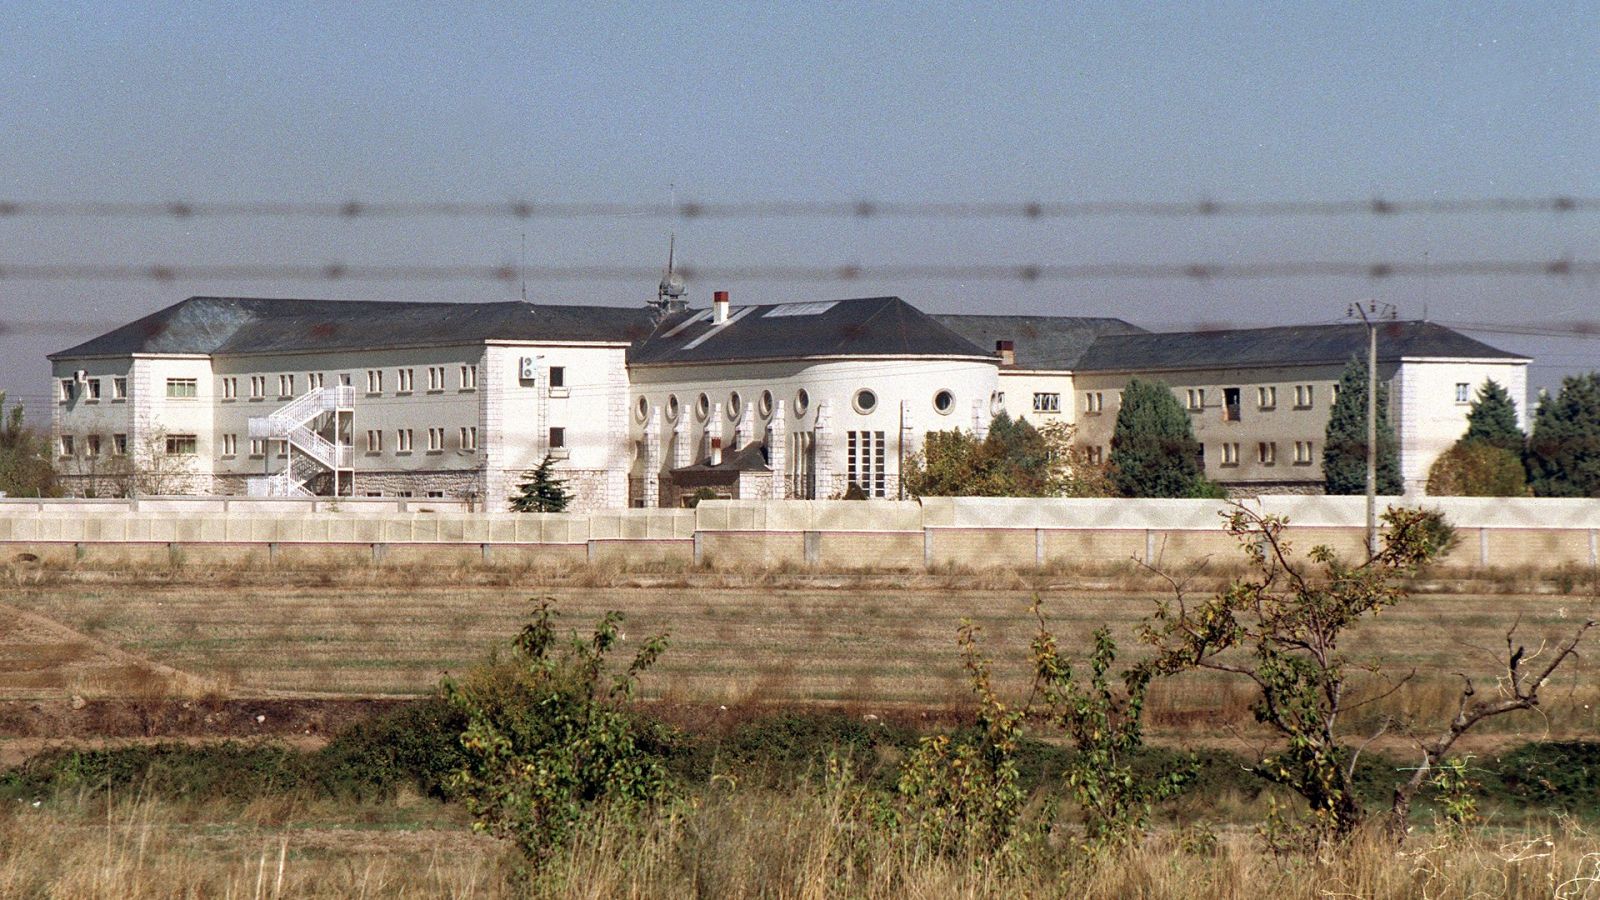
(792, 209)
(1199, 271)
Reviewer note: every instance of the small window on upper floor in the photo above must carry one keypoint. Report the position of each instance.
(1463, 392)
(285, 385)
(469, 377)
(1047, 402)
(91, 390)
(230, 388)
(65, 446)
(558, 438)
(119, 388)
(1267, 397)
(183, 388)
(436, 378)
(182, 445)
(66, 389)
(375, 381)
(406, 380)
(1231, 405)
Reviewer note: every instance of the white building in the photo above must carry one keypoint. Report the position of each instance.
(656, 404)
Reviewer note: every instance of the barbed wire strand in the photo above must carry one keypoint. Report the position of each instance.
(792, 209)
(508, 273)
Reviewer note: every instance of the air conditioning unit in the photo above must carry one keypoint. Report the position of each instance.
(529, 368)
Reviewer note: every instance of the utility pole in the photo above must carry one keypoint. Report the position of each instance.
(1370, 314)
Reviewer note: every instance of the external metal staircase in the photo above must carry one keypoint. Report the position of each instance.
(311, 453)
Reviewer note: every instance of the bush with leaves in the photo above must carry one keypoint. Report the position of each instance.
(549, 740)
(25, 469)
(1014, 459)
(1105, 725)
(1281, 628)
(962, 795)
(1476, 468)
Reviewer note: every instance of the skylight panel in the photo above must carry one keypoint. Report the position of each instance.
(815, 308)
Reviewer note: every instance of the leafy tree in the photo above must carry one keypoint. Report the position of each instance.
(1493, 419)
(549, 740)
(1153, 449)
(1476, 468)
(1344, 453)
(25, 469)
(1014, 459)
(1280, 628)
(541, 491)
(1564, 450)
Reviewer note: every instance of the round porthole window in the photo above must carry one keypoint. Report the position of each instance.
(765, 406)
(944, 402)
(702, 406)
(735, 405)
(672, 406)
(865, 401)
(802, 402)
(642, 409)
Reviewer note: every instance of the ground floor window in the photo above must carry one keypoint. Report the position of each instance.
(864, 454)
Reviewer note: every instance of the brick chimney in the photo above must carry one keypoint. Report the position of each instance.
(719, 308)
(716, 451)
(1006, 351)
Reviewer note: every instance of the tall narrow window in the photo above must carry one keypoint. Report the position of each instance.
(1267, 453)
(92, 390)
(864, 462)
(375, 441)
(374, 381)
(1267, 397)
(65, 445)
(119, 388)
(1231, 405)
(119, 445)
(407, 379)
(469, 377)
(469, 438)
(91, 445)
(403, 439)
(66, 389)
(558, 439)
(436, 378)
(230, 388)
(230, 444)
(285, 385)
(1463, 392)
(435, 438)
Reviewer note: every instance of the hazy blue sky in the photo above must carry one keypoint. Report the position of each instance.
(1067, 101)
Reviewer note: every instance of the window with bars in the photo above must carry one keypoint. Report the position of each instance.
(864, 458)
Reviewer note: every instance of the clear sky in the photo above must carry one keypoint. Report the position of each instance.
(795, 101)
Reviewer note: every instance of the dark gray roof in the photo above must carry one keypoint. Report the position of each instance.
(1040, 342)
(258, 325)
(1286, 346)
(869, 326)
(751, 458)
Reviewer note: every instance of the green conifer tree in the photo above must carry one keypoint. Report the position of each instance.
(541, 491)
(1344, 452)
(1563, 457)
(1493, 419)
(1153, 449)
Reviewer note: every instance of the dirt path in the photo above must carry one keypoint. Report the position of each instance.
(39, 655)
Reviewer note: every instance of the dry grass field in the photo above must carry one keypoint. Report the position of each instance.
(861, 643)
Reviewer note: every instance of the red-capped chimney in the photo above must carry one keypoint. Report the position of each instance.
(716, 444)
(719, 307)
(1006, 351)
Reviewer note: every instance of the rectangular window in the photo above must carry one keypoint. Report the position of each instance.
(436, 378)
(435, 438)
(402, 493)
(407, 379)
(285, 385)
(258, 386)
(1094, 402)
(1305, 396)
(92, 390)
(91, 445)
(436, 495)
(314, 381)
(1230, 454)
(374, 441)
(1463, 392)
(558, 376)
(119, 445)
(230, 444)
(558, 438)
(1043, 403)
(403, 440)
(65, 446)
(1096, 455)
(258, 447)
(374, 381)
(66, 389)
(374, 493)
(183, 387)
(1267, 397)
(864, 457)
(469, 438)
(119, 388)
(1267, 453)
(1231, 403)
(230, 388)
(469, 377)
(182, 445)
(1302, 453)
(1196, 398)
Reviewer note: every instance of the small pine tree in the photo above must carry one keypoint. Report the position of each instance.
(542, 491)
(1344, 454)
(1493, 419)
(1563, 457)
(1153, 449)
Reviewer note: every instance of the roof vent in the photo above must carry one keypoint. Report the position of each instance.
(719, 308)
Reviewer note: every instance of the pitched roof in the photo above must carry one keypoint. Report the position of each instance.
(208, 325)
(1040, 342)
(868, 326)
(1285, 346)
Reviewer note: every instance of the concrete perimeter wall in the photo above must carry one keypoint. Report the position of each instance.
(936, 533)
